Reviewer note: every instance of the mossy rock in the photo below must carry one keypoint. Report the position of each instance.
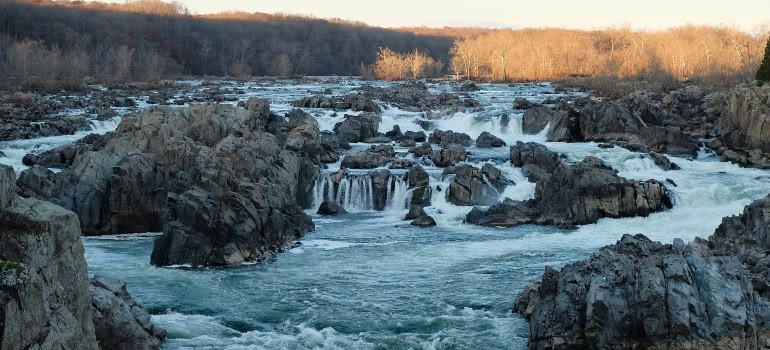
(11, 223)
(7, 265)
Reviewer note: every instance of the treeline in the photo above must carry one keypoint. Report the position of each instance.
(150, 39)
(391, 65)
(706, 54)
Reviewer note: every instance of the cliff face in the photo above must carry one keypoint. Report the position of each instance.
(745, 126)
(44, 296)
(46, 300)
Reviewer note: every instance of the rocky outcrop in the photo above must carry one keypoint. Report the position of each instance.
(45, 302)
(357, 128)
(424, 221)
(523, 104)
(487, 140)
(535, 160)
(745, 127)
(419, 181)
(446, 138)
(330, 208)
(449, 155)
(636, 120)
(495, 177)
(572, 194)
(63, 156)
(221, 188)
(470, 188)
(415, 97)
(423, 149)
(352, 102)
(119, 322)
(643, 294)
(663, 162)
(365, 160)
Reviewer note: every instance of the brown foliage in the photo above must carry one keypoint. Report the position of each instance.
(391, 65)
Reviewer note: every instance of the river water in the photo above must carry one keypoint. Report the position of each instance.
(368, 280)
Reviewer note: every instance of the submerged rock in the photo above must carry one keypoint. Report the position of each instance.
(331, 208)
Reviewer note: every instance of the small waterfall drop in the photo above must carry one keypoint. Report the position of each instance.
(356, 193)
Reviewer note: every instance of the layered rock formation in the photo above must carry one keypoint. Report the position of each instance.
(642, 294)
(45, 302)
(572, 194)
(222, 189)
(745, 126)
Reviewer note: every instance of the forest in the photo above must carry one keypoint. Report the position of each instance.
(62, 44)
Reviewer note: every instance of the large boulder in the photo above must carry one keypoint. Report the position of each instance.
(487, 140)
(536, 160)
(119, 322)
(535, 119)
(364, 160)
(330, 208)
(470, 188)
(357, 128)
(449, 155)
(641, 294)
(446, 138)
(418, 181)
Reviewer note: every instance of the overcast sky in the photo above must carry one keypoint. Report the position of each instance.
(586, 14)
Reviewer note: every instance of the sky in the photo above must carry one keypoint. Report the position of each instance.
(585, 14)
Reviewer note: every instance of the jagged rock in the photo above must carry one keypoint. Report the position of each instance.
(487, 140)
(358, 128)
(394, 133)
(449, 155)
(745, 126)
(352, 102)
(63, 156)
(330, 208)
(422, 150)
(643, 294)
(469, 86)
(383, 150)
(331, 147)
(406, 143)
(523, 104)
(297, 117)
(469, 188)
(663, 162)
(424, 221)
(508, 213)
(415, 212)
(446, 138)
(415, 97)
(419, 180)
(119, 322)
(364, 160)
(416, 136)
(401, 164)
(44, 299)
(535, 119)
(536, 160)
(380, 188)
(495, 177)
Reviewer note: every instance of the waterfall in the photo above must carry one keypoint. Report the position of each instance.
(355, 193)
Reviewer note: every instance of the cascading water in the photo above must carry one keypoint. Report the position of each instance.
(355, 192)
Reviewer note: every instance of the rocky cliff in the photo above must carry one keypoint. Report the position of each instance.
(221, 187)
(45, 298)
(745, 126)
(636, 294)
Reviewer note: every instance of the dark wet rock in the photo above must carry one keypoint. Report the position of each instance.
(383, 150)
(487, 140)
(505, 119)
(422, 150)
(331, 147)
(582, 193)
(380, 182)
(663, 162)
(469, 86)
(330, 208)
(495, 177)
(445, 138)
(222, 189)
(424, 221)
(449, 155)
(407, 143)
(643, 294)
(470, 188)
(522, 104)
(401, 164)
(38, 180)
(358, 128)
(508, 213)
(669, 181)
(536, 160)
(416, 136)
(419, 180)
(415, 211)
(535, 119)
(394, 133)
(364, 160)
(352, 102)
(119, 322)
